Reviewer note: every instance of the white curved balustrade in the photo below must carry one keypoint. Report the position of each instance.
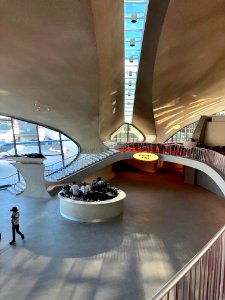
(208, 156)
(91, 212)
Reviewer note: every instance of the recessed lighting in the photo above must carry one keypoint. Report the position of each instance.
(177, 126)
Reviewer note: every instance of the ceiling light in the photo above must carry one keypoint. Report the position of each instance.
(130, 83)
(177, 126)
(131, 59)
(132, 42)
(134, 17)
(129, 93)
(130, 73)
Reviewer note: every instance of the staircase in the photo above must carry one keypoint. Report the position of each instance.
(84, 161)
(17, 188)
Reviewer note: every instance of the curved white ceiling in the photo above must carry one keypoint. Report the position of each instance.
(67, 57)
(182, 71)
(49, 56)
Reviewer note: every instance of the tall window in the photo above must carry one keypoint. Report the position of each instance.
(221, 113)
(127, 133)
(21, 137)
(184, 134)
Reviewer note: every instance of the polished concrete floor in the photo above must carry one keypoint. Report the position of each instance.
(165, 223)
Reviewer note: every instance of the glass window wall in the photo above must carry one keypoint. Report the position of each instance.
(184, 134)
(127, 133)
(19, 137)
(26, 138)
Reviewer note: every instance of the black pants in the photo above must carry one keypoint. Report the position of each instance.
(16, 229)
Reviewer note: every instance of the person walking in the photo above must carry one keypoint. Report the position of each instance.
(15, 225)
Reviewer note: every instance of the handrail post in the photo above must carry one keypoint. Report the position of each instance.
(206, 272)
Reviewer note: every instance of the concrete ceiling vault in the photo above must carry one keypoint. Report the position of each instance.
(185, 77)
(67, 56)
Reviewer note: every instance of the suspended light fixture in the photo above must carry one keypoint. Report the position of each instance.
(130, 83)
(134, 17)
(130, 73)
(129, 93)
(132, 42)
(131, 59)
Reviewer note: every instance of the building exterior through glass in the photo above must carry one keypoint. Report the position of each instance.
(18, 137)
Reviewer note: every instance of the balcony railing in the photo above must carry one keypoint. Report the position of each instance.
(208, 156)
(203, 278)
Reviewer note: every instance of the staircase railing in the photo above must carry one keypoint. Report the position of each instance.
(18, 186)
(203, 278)
(50, 169)
(15, 183)
(6, 181)
(82, 162)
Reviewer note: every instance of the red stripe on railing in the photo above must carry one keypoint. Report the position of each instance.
(203, 155)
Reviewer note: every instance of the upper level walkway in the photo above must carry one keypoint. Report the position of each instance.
(210, 162)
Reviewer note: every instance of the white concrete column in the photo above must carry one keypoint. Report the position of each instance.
(33, 174)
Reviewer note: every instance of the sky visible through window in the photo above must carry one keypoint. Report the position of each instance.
(134, 10)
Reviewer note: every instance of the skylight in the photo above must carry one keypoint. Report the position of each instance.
(134, 22)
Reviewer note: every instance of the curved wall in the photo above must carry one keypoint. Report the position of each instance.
(215, 175)
(91, 212)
